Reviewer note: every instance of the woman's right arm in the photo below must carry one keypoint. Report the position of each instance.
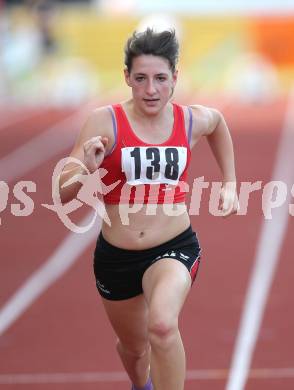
(95, 139)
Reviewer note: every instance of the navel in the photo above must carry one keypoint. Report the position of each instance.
(141, 234)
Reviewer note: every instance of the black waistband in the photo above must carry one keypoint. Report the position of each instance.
(180, 238)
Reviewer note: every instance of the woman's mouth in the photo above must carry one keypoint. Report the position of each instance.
(151, 102)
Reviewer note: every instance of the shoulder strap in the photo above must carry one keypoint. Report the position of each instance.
(114, 126)
(190, 124)
(181, 125)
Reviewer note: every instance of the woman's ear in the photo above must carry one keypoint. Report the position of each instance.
(127, 77)
(174, 82)
(175, 77)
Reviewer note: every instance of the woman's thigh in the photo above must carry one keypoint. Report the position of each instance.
(129, 319)
(166, 285)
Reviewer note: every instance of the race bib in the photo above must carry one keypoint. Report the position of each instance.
(154, 164)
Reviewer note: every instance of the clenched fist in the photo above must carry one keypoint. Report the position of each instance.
(229, 199)
(94, 152)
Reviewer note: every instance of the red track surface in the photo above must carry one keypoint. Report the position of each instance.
(65, 330)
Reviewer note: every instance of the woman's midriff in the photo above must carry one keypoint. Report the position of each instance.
(138, 227)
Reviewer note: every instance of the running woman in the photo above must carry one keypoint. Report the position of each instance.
(147, 254)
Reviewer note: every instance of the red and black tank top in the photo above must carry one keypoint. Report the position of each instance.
(139, 172)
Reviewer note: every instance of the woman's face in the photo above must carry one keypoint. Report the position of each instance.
(152, 82)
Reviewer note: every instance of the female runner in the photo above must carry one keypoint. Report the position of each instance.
(147, 254)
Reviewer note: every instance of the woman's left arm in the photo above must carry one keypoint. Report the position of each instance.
(212, 124)
(221, 144)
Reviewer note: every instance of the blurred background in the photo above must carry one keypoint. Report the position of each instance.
(64, 52)
(58, 61)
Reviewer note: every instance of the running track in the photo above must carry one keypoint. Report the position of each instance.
(59, 338)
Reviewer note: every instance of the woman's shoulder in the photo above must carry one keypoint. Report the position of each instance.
(98, 123)
(203, 117)
(101, 113)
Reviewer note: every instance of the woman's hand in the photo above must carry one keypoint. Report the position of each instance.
(229, 199)
(94, 152)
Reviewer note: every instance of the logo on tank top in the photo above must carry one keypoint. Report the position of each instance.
(153, 165)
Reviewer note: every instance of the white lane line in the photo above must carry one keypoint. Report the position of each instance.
(61, 260)
(43, 147)
(267, 256)
(121, 376)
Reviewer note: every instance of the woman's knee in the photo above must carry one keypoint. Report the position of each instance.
(163, 331)
(133, 350)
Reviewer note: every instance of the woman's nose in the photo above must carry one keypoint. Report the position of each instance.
(150, 88)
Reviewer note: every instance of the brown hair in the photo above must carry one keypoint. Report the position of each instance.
(163, 44)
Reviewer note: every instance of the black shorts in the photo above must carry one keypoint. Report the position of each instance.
(119, 272)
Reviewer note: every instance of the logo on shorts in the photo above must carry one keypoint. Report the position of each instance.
(166, 254)
(173, 254)
(184, 257)
(102, 287)
(169, 254)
